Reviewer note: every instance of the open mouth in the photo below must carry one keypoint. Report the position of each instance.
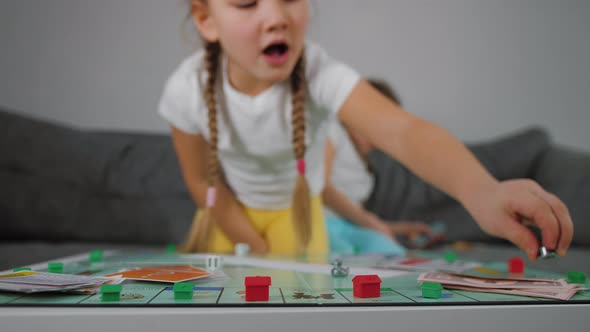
(276, 49)
(276, 54)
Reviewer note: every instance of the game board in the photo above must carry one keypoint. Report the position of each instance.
(289, 290)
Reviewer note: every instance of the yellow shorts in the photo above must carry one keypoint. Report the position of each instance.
(277, 228)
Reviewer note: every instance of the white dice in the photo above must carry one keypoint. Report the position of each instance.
(214, 263)
(242, 249)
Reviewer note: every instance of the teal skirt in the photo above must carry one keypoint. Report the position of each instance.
(348, 238)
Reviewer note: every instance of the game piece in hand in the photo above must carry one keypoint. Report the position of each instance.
(545, 253)
(242, 249)
(214, 262)
(366, 286)
(257, 288)
(338, 270)
(516, 265)
(431, 290)
(183, 290)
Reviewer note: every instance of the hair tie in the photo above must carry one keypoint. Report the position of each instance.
(211, 195)
(301, 167)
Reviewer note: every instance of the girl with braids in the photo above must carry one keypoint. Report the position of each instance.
(249, 116)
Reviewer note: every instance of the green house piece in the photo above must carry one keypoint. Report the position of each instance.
(111, 292)
(575, 277)
(356, 249)
(183, 290)
(55, 267)
(171, 248)
(18, 269)
(450, 256)
(95, 256)
(431, 290)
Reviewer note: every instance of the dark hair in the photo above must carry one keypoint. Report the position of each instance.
(385, 89)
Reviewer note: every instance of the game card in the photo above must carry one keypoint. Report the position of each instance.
(163, 273)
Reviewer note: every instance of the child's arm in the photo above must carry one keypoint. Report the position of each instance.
(192, 151)
(435, 155)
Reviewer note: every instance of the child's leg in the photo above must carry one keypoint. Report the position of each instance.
(346, 237)
(338, 230)
(281, 237)
(369, 241)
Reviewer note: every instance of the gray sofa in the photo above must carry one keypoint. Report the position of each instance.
(64, 191)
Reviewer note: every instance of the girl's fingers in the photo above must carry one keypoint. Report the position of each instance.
(560, 212)
(411, 230)
(422, 228)
(566, 226)
(537, 210)
(523, 238)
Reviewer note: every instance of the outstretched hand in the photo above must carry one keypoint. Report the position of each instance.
(409, 229)
(405, 231)
(416, 235)
(501, 209)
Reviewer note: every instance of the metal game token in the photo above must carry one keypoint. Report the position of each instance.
(338, 270)
(545, 253)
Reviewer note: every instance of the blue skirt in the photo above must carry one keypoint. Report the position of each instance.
(346, 237)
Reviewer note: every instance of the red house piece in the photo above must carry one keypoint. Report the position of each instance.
(366, 286)
(257, 288)
(516, 265)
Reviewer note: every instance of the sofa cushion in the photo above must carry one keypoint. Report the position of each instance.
(62, 184)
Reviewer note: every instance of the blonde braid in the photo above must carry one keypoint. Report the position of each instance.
(200, 233)
(301, 196)
(211, 63)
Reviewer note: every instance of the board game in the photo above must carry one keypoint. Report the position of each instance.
(291, 290)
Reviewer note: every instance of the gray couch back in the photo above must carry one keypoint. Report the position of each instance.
(62, 184)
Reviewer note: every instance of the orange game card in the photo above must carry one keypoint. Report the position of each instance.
(163, 273)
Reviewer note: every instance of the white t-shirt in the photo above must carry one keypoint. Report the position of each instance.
(350, 174)
(255, 133)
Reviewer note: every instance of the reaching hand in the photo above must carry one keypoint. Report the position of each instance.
(404, 231)
(382, 227)
(416, 235)
(500, 210)
(409, 229)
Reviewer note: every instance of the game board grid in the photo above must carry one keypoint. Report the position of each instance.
(290, 288)
(152, 293)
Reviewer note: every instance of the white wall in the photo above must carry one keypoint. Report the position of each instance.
(478, 67)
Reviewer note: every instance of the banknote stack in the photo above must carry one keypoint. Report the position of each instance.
(35, 282)
(557, 289)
